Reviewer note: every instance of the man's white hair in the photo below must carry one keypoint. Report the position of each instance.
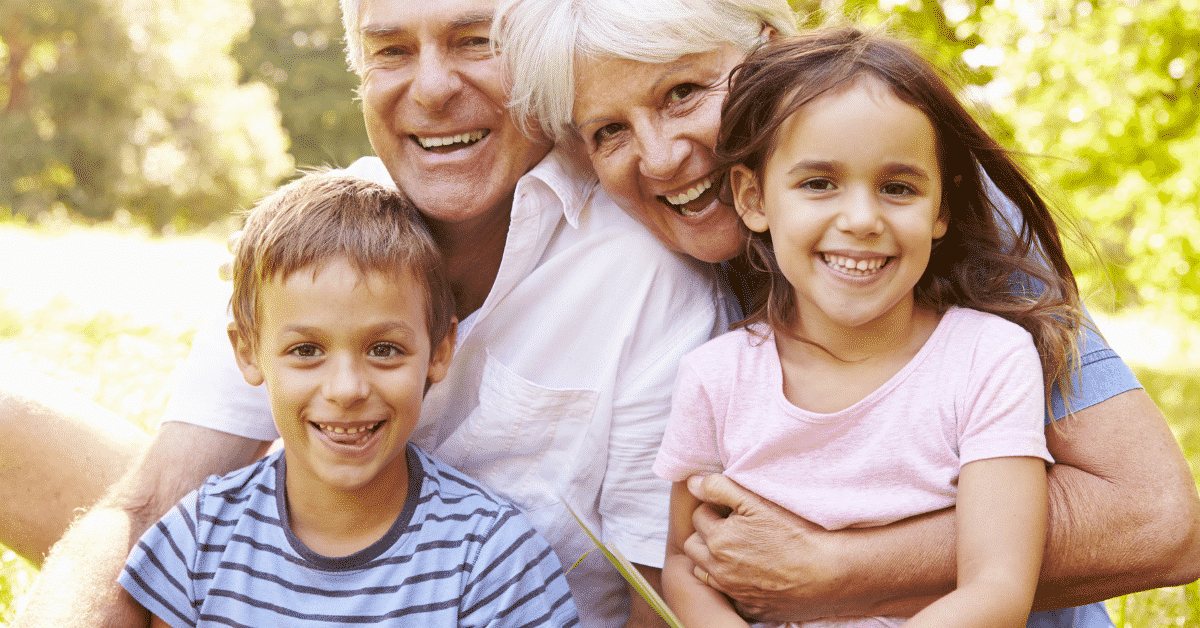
(542, 40)
(351, 22)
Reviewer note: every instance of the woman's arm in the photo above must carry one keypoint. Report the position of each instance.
(693, 601)
(1001, 524)
(1124, 517)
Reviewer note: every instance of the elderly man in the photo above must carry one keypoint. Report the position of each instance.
(573, 319)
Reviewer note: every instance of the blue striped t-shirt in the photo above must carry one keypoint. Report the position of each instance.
(456, 556)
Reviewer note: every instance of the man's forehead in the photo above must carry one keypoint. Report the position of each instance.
(411, 16)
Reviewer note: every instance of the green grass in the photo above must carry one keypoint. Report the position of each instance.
(109, 348)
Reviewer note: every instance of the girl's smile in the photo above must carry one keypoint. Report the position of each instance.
(852, 197)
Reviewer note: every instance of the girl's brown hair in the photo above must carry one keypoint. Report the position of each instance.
(1008, 263)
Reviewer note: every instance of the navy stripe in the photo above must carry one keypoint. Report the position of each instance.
(346, 593)
(347, 619)
(501, 589)
(148, 590)
(162, 568)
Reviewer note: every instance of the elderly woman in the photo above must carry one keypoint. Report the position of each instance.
(636, 88)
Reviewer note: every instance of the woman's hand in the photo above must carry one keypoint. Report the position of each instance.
(775, 565)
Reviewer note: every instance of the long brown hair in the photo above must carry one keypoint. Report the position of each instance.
(1009, 264)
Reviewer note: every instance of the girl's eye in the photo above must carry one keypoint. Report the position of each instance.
(817, 185)
(606, 132)
(305, 351)
(680, 92)
(896, 188)
(384, 350)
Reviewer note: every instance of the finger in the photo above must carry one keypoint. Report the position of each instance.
(720, 490)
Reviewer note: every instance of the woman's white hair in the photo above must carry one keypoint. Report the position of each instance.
(542, 40)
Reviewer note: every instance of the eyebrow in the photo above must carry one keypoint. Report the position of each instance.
(399, 327)
(891, 170)
(470, 19)
(672, 68)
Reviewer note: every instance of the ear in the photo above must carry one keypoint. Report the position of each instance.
(244, 353)
(942, 223)
(440, 356)
(767, 33)
(747, 198)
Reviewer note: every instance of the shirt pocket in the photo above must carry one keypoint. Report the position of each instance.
(525, 441)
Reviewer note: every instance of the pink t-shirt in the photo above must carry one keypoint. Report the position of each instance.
(974, 391)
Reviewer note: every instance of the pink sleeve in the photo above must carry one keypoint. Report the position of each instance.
(1005, 408)
(689, 446)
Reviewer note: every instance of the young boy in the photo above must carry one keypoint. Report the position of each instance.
(341, 310)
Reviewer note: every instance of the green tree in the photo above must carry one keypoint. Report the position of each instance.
(296, 46)
(131, 105)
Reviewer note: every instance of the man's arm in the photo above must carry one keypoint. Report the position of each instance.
(78, 584)
(1124, 517)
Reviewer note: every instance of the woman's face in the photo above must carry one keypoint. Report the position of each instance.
(649, 130)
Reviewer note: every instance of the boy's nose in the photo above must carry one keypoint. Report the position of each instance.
(345, 385)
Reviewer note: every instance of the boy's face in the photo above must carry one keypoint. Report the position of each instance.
(345, 357)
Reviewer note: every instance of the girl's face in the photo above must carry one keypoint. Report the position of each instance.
(649, 131)
(852, 197)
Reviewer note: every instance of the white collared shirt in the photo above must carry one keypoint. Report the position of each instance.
(561, 382)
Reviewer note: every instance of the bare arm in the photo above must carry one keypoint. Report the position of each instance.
(1124, 517)
(691, 599)
(78, 584)
(1001, 523)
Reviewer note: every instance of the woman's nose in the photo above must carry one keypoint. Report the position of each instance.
(661, 153)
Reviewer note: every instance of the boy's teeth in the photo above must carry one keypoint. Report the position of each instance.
(343, 430)
(462, 138)
(690, 194)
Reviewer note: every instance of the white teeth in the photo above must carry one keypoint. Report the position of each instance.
(343, 430)
(462, 138)
(846, 264)
(690, 194)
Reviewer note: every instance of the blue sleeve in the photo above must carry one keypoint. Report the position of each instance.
(1102, 374)
(158, 573)
(517, 580)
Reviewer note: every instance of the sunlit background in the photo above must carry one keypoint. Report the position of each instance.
(131, 128)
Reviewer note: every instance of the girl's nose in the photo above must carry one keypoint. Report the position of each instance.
(860, 215)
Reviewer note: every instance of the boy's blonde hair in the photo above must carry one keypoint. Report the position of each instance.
(324, 216)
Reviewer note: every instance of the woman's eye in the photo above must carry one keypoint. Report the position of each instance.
(896, 188)
(680, 92)
(605, 132)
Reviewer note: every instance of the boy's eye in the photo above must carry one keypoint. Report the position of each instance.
(384, 350)
(305, 351)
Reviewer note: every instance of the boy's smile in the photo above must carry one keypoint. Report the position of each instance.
(345, 357)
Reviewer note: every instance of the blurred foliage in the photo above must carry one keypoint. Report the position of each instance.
(133, 105)
(297, 47)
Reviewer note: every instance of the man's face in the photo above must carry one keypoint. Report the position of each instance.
(434, 100)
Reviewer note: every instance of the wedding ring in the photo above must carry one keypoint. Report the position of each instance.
(706, 580)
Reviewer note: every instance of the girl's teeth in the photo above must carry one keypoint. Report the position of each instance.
(862, 265)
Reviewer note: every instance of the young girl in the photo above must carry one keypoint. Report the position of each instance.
(890, 367)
